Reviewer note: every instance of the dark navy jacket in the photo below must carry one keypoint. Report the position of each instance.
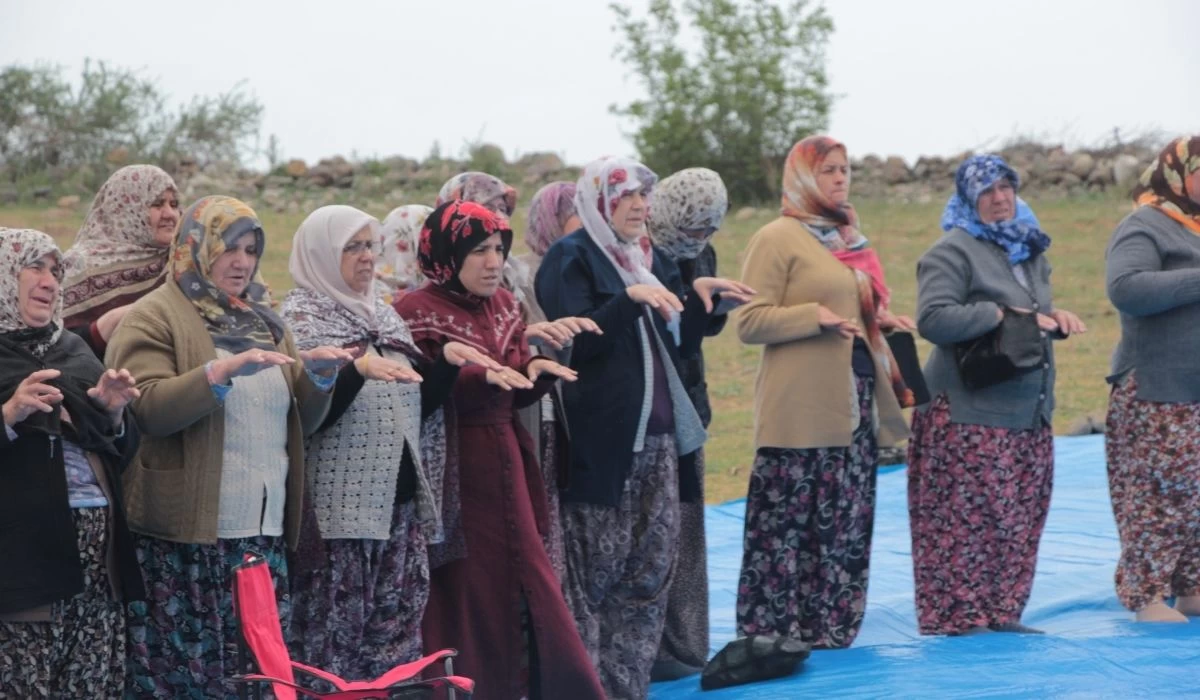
(604, 405)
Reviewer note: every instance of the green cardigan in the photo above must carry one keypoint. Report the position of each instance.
(172, 488)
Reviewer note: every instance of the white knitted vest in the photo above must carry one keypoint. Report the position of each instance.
(255, 466)
(353, 466)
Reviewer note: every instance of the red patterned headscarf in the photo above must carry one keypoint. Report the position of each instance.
(450, 233)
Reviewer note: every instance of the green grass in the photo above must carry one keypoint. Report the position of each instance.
(901, 232)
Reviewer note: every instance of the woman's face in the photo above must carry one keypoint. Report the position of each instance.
(164, 218)
(358, 260)
(37, 290)
(629, 219)
(480, 272)
(997, 203)
(833, 177)
(232, 272)
(572, 224)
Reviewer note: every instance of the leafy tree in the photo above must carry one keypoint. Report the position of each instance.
(754, 84)
(48, 124)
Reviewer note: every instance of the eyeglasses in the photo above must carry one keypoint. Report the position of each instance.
(358, 247)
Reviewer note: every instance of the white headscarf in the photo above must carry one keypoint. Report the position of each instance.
(316, 261)
(20, 248)
(597, 194)
(322, 309)
(397, 266)
(690, 200)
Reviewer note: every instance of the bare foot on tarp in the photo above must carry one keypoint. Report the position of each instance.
(1188, 605)
(1160, 612)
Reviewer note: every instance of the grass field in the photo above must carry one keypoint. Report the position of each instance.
(901, 232)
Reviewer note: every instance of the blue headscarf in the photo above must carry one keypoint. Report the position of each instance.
(1021, 236)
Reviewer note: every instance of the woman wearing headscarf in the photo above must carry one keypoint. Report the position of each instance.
(120, 252)
(224, 409)
(629, 416)
(69, 561)
(493, 570)
(397, 266)
(1153, 270)
(537, 418)
(689, 207)
(828, 392)
(358, 600)
(981, 460)
(551, 216)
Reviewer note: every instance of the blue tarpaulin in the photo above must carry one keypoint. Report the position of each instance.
(1092, 647)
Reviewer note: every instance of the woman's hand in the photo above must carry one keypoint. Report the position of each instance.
(461, 354)
(891, 322)
(246, 363)
(832, 322)
(558, 334)
(384, 370)
(507, 378)
(657, 298)
(32, 395)
(1068, 323)
(325, 360)
(544, 365)
(113, 392)
(731, 292)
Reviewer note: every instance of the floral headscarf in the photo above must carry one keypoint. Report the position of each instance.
(597, 195)
(397, 266)
(20, 248)
(549, 210)
(1164, 184)
(802, 198)
(236, 323)
(836, 227)
(114, 252)
(1021, 237)
(322, 309)
(494, 195)
(694, 199)
(451, 232)
(481, 188)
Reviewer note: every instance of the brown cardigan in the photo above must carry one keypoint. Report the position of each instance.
(172, 488)
(802, 395)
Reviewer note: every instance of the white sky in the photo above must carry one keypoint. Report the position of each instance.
(381, 78)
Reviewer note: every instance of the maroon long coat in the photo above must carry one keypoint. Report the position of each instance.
(475, 602)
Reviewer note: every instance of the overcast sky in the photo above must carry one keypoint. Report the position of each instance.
(381, 78)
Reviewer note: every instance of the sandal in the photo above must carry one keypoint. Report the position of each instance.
(754, 658)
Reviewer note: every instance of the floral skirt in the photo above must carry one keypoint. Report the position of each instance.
(358, 613)
(807, 548)
(80, 651)
(977, 501)
(183, 640)
(685, 637)
(1154, 480)
(553, 537)
(620, 563)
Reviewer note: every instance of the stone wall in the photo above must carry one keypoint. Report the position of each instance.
(379, 185)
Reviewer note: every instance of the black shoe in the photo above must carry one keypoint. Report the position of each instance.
(753, 658)
(672, 670)
(1014, 628)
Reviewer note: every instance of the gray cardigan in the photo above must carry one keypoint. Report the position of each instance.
(961, 283)
(1153, 278)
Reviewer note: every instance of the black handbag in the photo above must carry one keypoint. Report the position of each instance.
(1014, 347)
(904, 349)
